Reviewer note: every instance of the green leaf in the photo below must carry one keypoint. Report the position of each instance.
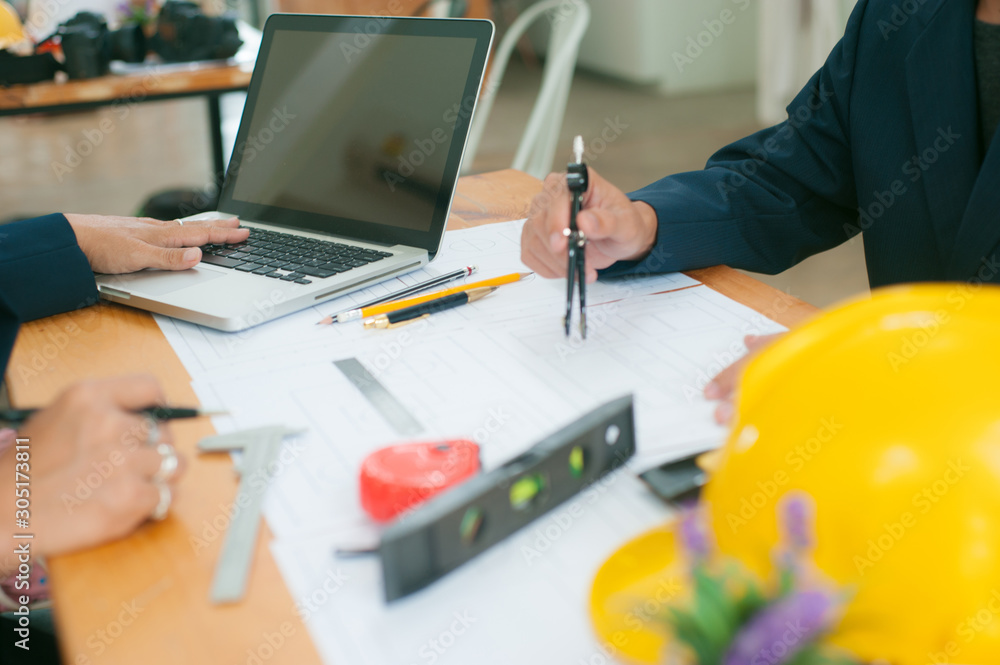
(749, 603)
(687, 631)
(714, 606)
(817, 654)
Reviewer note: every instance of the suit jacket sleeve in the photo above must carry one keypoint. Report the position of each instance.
(43, 272)
(772, 199)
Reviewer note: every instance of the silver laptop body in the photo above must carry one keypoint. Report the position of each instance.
(348, 153)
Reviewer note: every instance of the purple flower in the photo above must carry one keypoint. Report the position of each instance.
(694, 534)
(781, 630)
(797, 521)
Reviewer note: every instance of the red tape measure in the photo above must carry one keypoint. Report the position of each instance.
(397, 478)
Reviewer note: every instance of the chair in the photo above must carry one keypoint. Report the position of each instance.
(569, 20)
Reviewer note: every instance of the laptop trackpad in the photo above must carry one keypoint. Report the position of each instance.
(162, 282)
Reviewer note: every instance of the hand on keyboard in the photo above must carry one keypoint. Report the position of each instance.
(116, 245)
(289, 257)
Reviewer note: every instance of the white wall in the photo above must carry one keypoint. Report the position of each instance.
(679, 45)
(686, 46)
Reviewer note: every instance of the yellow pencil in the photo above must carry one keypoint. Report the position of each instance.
(385, 308)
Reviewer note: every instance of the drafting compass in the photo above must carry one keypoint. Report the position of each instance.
(578, 181)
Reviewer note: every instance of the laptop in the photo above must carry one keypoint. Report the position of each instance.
(344, 167)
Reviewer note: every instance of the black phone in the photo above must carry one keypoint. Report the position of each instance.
(678, 481)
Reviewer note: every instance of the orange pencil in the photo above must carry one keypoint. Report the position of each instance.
(385, 308)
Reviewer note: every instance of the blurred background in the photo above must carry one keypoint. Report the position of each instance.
(669, 81)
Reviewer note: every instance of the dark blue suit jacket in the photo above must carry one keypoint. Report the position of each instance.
(884, 141)
(43, 272)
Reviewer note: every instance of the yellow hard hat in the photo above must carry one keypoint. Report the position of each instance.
(886, 412)
(11, 31)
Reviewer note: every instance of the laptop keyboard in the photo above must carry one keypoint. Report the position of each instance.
(288, 257)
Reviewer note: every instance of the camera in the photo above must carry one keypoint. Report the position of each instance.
(184, 33)
(89, 47)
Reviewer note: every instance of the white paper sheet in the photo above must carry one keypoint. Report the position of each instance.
(524, 601)
(501, 372)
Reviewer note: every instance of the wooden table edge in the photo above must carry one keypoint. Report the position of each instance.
(150, 85)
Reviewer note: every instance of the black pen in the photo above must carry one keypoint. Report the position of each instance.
(358, 311)
(18, 416)
(411, 314)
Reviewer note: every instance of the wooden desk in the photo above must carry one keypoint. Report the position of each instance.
(156, 84)
(145, 599)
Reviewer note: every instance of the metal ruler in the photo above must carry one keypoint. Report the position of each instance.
(261, 448)
(384, 402)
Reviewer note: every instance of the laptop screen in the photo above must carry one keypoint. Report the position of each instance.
(356, 125)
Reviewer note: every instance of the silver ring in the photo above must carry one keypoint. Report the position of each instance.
(169, 463)
(152, 431)
(163, 507)
(180, 221)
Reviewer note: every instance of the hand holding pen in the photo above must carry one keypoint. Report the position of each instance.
(98, 467)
